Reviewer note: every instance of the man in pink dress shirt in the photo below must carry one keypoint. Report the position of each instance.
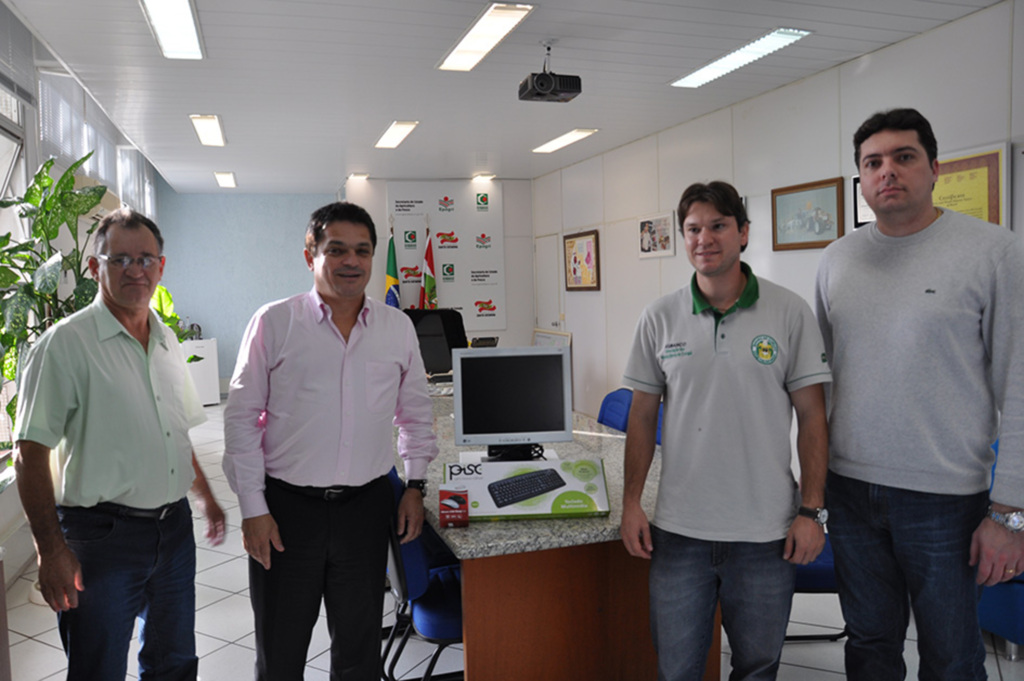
(321, 379)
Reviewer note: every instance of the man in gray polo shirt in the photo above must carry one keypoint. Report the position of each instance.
(732, 356)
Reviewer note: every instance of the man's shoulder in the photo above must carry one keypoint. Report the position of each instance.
(671, 303)
(284, 307)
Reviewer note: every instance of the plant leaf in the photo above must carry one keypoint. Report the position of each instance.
(7, 203)
(8, 277)
(16, 309)
(41, 181)
(47, 277)
(12, 408)
(10, 363)
(85, 292)
(66, 183)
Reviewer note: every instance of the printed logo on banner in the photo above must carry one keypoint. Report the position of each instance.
(410, 239)
(447, 240)
(410, 273)
(448, 272)
(483, 241)
(485, 308)
(482, 202)
(446, 205)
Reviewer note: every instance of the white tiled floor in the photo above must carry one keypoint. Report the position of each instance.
(224, 630)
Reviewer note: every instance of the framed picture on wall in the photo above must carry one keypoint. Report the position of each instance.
(656, 235)
(552, 338)
(807, 215)
(862, 213)
(582, 261)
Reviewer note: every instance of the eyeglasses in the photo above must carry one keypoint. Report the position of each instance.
(123, 262)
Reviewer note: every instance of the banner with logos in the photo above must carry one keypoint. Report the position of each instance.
(464, 219)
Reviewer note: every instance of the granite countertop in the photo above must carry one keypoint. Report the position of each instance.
(495, 538)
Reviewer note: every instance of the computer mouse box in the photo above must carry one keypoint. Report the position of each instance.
(531, 489)
(453, 510)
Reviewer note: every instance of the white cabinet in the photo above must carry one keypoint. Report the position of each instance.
(205, 373)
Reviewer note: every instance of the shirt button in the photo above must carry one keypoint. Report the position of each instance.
(168, 433)
(723, 335)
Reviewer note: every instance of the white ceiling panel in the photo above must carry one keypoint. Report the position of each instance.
(305, 87)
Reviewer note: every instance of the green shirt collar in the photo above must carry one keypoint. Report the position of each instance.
(107, 325)
(746, 299)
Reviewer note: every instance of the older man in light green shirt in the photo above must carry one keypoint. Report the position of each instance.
(104, 463)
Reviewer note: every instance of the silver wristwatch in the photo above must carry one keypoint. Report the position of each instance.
(818, 515)
(1013, 521)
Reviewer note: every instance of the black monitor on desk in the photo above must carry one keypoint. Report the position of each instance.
(512, 399)
(439, 332)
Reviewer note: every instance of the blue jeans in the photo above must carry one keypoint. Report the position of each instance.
(131, 567)
(897, 550)
(689, 577)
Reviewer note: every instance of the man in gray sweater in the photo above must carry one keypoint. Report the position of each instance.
(922, 316)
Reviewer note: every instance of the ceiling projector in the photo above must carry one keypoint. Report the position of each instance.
(549, 87)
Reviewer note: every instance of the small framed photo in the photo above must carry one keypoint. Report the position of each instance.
(582, 261)
(862, 213)
(657, 235)
(807, 215)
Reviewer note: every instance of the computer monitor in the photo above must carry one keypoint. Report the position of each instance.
(439, 332)
(512, 399)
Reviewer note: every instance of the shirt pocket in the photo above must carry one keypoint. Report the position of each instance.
(382, 379)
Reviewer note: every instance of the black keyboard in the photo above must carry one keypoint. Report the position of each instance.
(526, 486)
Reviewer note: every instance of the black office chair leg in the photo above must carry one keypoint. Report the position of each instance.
(402, 623)
(433, 661)
(398, 652)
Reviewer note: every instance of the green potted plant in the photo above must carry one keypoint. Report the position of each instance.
(31, 297)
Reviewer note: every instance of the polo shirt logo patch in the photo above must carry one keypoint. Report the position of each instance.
(764, 349)
(675, 350)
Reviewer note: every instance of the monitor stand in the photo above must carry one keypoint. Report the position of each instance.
(524, 452)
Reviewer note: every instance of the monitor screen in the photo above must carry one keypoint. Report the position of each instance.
(512, 396)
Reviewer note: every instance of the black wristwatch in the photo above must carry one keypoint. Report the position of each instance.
(818, 515)
(421, 485)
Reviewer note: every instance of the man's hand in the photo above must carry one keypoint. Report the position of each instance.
(410, 515)
(259, 533)
(636, 531)
(216, 525)
(804, 541)
(60, 579)
(998, 553)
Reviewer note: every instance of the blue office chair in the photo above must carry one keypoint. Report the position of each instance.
(818, 577)
(430, 598)
(614, 411)
(1001, 607)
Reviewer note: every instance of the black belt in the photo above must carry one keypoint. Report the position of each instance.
(326, 493)
(158, 513)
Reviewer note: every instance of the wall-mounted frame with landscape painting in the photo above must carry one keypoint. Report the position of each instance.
(807, 215)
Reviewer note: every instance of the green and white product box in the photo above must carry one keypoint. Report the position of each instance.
(578, 488)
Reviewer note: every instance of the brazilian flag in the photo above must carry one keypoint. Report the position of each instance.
(391, 296)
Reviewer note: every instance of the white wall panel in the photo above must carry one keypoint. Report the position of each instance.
(582, 195)
(631, 180)
(630, 285)
(1017, 57)
(548, 280)
(547, 204)
(519, 297)
(585, 320)
(957, 75)
(517, 201)
(787, 136)
(697, 151)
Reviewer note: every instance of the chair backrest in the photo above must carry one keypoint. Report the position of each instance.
(615, 406)
(614, 411)
(407, 563)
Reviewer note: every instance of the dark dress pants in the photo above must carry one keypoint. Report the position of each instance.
(336, 551)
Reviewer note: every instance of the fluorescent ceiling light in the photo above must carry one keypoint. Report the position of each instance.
(394, 135)
(490, 28)
(359, 176)
(565, 140)
(483, 177)
(208, 129)
(175, 28)
(762, 47)
(225, 180)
